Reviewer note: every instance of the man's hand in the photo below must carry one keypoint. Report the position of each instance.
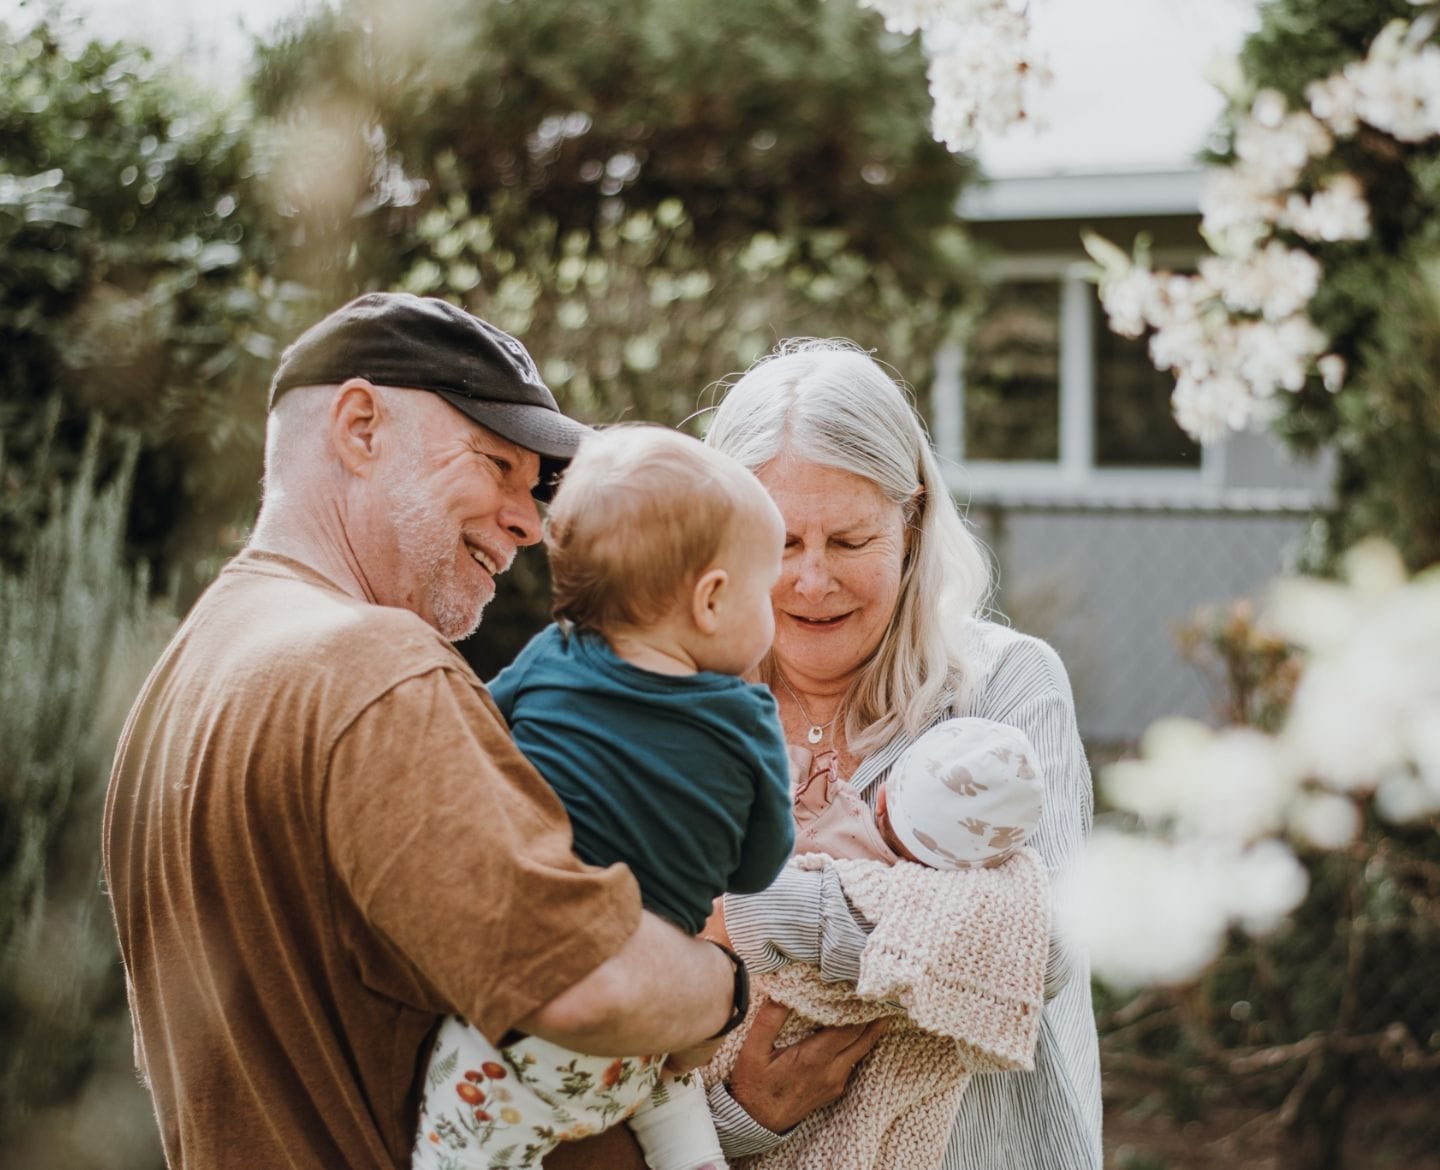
(780, 1087)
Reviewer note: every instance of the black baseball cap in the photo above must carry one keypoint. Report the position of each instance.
(424, 343)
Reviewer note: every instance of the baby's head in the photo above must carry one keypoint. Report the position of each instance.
(965, 794)
(653, 532)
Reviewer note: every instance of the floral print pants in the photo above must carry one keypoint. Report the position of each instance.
(486, 1108)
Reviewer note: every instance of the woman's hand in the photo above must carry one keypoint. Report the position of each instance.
(780, 1087)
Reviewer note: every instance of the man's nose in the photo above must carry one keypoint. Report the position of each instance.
(521, 519)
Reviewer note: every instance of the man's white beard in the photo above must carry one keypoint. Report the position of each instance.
(425, 540)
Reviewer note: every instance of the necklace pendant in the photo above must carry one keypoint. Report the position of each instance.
(814, 734)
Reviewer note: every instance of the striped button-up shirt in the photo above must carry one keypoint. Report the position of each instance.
(1047, 1119)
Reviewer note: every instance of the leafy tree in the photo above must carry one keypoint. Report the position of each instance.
(137, 285)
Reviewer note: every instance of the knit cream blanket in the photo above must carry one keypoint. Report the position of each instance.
(958, 959)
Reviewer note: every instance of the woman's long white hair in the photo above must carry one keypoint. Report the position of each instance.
(830, 403)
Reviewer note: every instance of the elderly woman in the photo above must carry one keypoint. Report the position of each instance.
(877, 638)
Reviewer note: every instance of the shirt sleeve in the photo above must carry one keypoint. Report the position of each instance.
(770, 828)
(803, 917)
(456, 858)
(739, 1133)
(1043, 708)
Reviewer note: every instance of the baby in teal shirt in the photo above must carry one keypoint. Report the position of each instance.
(663, 554)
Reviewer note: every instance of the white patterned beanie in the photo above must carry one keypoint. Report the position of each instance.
(967, 793)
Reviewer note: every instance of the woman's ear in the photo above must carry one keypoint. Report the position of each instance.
(705, 600)
(356, 415)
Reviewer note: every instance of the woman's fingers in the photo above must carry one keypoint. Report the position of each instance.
(769, 1018)
(779, 1087)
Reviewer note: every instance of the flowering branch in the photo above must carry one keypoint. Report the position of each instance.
(983, 72)
(1239, 330)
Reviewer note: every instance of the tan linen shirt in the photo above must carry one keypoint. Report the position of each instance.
(319, 839)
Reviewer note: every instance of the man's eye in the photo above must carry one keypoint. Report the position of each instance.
(504, 465)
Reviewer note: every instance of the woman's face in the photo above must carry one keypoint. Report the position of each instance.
(840, 577)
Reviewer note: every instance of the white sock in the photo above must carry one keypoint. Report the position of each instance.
(674, 1127)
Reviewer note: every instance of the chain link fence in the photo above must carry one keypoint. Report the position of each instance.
(1318, 1046)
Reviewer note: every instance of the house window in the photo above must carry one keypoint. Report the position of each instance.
(1043, 398)
(1134, 425)
(1012, 375)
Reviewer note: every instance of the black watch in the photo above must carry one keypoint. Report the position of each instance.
(740, 1003)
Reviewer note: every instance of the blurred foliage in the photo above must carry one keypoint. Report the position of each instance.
(78, 631)
(1330, 1026)
(1380, 300)
(138, 286)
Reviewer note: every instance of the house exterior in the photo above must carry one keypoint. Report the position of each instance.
(1109, 526)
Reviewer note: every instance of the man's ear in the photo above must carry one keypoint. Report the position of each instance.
(356, 413)
(705, 600)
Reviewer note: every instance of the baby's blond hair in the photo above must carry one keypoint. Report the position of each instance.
(642, 512)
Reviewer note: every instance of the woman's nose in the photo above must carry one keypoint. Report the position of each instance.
(812, 578)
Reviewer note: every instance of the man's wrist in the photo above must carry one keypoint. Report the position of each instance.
(740, 991)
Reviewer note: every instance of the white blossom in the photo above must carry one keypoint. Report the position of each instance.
(1325, 820)
(982, 74)
(1332, 371)
(1153, 911)
(1335, 101)
(1275, 146)
(1271, 355)
(1275, 281)
(1398, 85)
(1229, 784)
(1238, 209)
(1209, 409)
(1338, 211)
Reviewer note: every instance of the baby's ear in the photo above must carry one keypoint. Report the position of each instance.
(705, 600)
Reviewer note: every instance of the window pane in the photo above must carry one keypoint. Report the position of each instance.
(1133, 423)
(1012, 375)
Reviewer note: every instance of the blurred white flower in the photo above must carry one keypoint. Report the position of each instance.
(1201, 783)
(1371, 681)
(1275, 145)
(1325, 819)
(909, 16)
(1238, 209)
(1275, 281)
(1266, 884)
(1338, 211)
(1271, 355)
(982, 72)
(1131, 300)
(1332, 371)
(1209, 409)
(982, 69)
(1402, 797)
(1152, 911)
(1336, 102)
(1398, 85)
(1146, 911)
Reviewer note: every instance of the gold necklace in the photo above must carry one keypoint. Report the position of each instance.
(817, 730)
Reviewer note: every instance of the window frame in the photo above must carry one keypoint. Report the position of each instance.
(1074, 475)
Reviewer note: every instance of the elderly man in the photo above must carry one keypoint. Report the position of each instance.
(319, 838)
